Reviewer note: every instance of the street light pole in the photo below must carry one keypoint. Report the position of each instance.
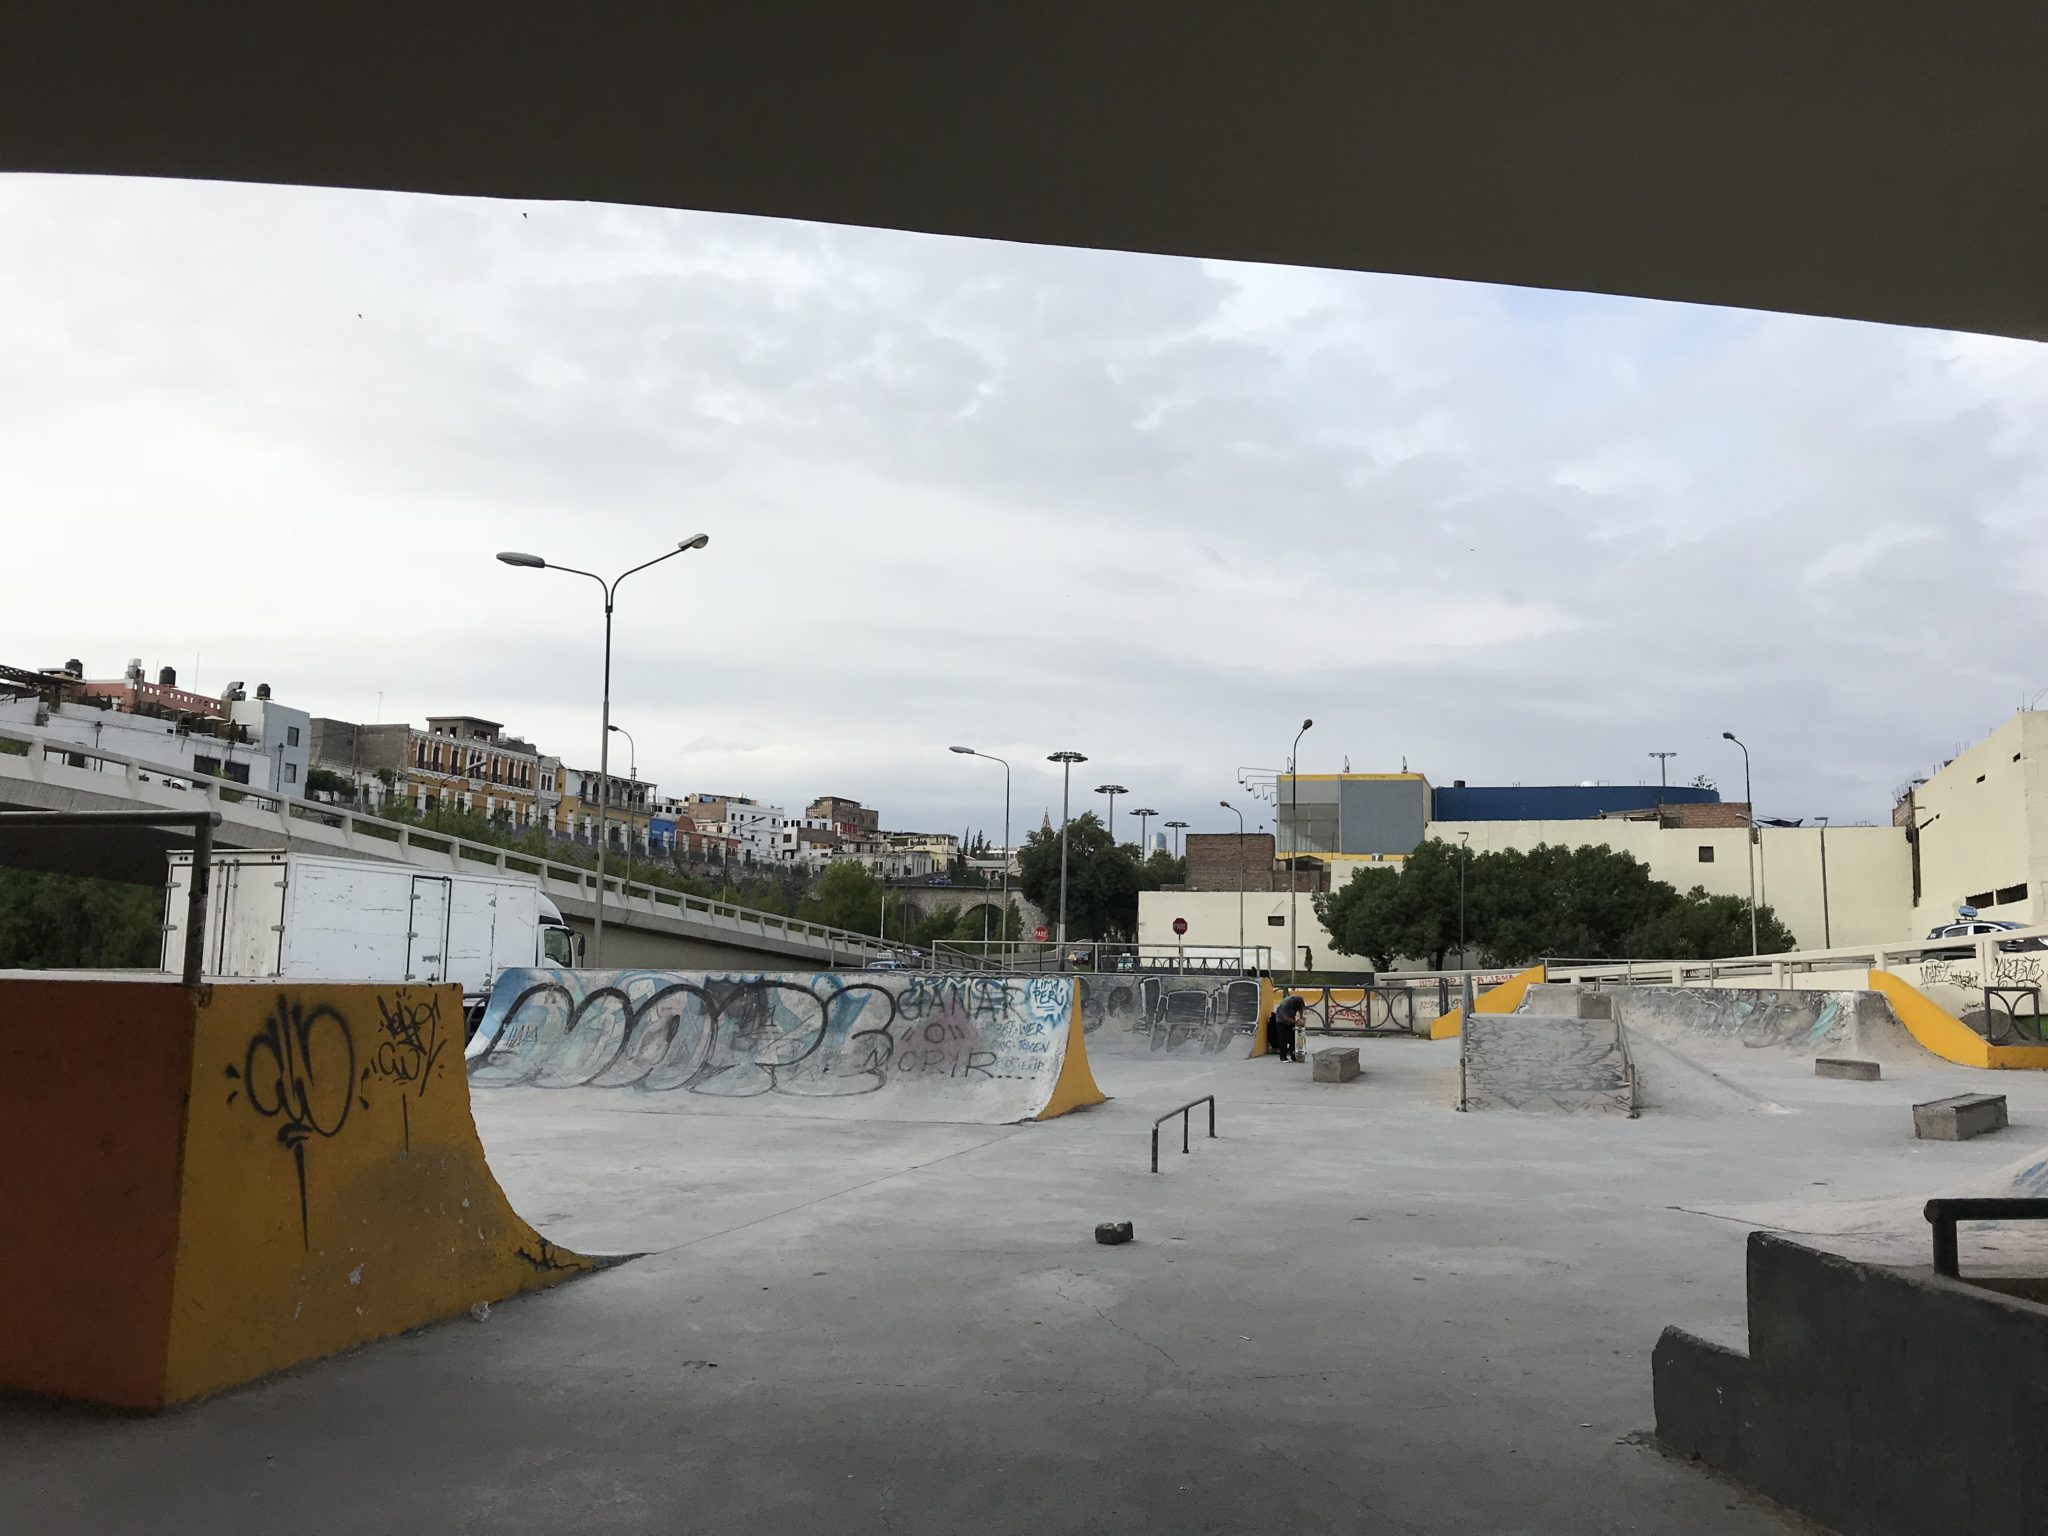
(1066, 760)
(1754, 948)
(1176, 828)
(970, 752)
(1293, 851)
(1464, 858)
(604, 748)
(1240, 878)
(1111, 790)
(1827, 931)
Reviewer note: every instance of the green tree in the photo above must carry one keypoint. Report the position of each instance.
(1697, 926)
(1103, 879)
(71, 921)
(1365, 916)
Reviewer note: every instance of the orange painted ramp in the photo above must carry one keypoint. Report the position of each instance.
(297, 1166)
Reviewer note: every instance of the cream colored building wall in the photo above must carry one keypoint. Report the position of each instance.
(1992, 831)
(1212, 924)
(1869, 879)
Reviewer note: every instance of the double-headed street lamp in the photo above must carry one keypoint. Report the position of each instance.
(970, 752)
(604, 749)
(1755, 848)
(1111, 790)
(1144, 814)
(1066, 760)
(1176, 828)
(1239, 861)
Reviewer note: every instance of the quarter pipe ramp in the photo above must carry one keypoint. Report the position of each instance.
(985, 1050)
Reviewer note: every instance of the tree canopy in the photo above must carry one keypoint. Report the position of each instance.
(1586, 903)
(1103, 878)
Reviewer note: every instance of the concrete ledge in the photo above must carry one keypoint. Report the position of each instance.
(1847, 1067)
(1334, 1066)
(1877, 1401)
(1959, 1118)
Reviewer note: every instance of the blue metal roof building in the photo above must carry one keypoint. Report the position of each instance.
(1557, 802)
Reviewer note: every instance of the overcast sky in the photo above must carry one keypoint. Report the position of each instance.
(1155, 510)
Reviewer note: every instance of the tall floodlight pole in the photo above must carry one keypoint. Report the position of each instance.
(1176, 828)
(970, 752)
(1066, 760)
(604, 738)
(1111, 790)
(1293, 851)
(1144, 814)
(1754, 949)
(1663, 772)
(1240, 878)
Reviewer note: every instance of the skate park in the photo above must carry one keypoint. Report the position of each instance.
(796, 1296)
(1583, 1259)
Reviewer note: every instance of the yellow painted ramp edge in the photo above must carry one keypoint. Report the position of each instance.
(1505, 998)
(1949, 1037)
(1075, 1087)
(334, 1190)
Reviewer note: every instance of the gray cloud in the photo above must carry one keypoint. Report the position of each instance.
(1153, 509)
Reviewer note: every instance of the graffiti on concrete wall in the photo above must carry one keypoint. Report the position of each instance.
(744, 1035)
(1170, 1013)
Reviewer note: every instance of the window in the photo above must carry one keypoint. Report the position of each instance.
(1706, 853)
(2012, 893)
(1276, 922)
(291, 773)
(291, 735)
(1981, 899)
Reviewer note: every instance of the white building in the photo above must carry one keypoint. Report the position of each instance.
(257, 742)
(1974, 833)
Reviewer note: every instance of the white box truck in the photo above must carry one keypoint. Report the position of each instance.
(316, 917)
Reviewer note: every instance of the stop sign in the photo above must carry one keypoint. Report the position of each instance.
(1180, 926)
(1041, 933)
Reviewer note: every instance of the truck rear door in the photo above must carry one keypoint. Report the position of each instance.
(426, 956)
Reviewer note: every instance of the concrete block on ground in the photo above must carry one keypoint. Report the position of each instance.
(1846, 1066)
(1959, 1118)
(1114, 1232)
(1334, 1066)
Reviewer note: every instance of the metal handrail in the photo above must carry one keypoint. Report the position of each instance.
(357, 825)
(1208, 1099)
(1943, 1215)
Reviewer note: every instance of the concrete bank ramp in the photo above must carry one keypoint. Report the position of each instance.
(1546, 1064)
(214, 1185)
(981, 1050)
(1703, 1020)
(1184, 1017)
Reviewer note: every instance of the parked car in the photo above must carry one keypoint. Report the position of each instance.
(1977, 927)
(886, 963)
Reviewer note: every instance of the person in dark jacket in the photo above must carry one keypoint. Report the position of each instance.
(1286, 1027)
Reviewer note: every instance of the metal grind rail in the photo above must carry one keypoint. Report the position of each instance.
(1185, 1113)
(1943, 1215)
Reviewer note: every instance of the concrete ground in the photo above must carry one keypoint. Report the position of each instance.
(1357, 1311)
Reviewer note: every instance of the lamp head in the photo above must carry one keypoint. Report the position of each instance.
(1306, 724)
(515, 557)
(963, 751)
(1728, 736)
(697, 542)
(1226, 805)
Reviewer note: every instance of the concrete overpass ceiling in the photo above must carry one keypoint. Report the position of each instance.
(1875, 161)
